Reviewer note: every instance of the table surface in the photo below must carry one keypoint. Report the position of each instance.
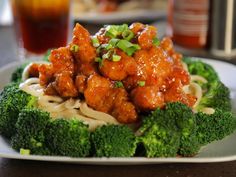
(24, 168)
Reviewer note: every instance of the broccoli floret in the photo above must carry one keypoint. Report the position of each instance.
(30, 131)
(197, 67)
(170, 131)
(186, 123)
(218, 96)
(12, 101)
(114, 141)
(17, 74)
(69, 138)
(160, 136)
(214, 126)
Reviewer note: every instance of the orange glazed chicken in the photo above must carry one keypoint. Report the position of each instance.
(122, 70)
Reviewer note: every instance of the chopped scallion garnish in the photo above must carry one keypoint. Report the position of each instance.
(99, 60)
(95, 41)
(116, 57)
(74, 48)
(118, 84)
(108, 46)
(115, 30)
(24, 151)
(113, 42)
(127, 47)
(156, 41)
(107, 55)
(141, 83)
(127, 35)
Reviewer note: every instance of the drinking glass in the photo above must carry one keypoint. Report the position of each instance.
(40, 25)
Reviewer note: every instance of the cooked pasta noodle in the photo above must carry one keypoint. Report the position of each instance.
(97, 114)
(69, 108)
(196, 90)
(208, 110)
(198, 78)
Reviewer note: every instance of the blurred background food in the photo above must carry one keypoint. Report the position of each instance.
(106, 6)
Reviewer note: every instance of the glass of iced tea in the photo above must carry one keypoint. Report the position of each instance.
(40, 25)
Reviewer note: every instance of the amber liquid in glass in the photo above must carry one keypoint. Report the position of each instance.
(41, 24)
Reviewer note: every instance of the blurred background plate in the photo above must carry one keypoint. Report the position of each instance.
(118, 11)
(120, 17)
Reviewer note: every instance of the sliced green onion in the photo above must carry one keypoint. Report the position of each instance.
(74, 48)
(95, 41)
(111, 31)
(116, 58)
(104, 46)
(156, 41)
(141, 83)
(128, 47)
(127, 35)
(113, 42)
(107, 55)
(24, 151)
(119, 84)
(115, 30)
(121, 28)
(108, 46)
(98, 50)
(99, 60)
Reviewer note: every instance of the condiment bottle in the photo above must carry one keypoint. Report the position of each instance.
(188, 22)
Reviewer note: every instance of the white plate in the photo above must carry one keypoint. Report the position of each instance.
(119, 17)
(218, 151)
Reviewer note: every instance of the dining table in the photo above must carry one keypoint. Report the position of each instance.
(33, 168)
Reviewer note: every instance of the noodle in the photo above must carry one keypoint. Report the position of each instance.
(194, 89)
(70, 108)
(198, 78)
(97, 114)
(207, 110)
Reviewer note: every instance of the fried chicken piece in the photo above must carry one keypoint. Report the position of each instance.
(124, 110)
(34, 70)
(101, 96)
(84, 51)
(87, 69)
(136, 27)
(50, 89)
(46, 74)
(62, 60)
(145, 39)
(181, 74)
(65, 86)
(147, 98)
(121, 69)
(153, 66)
(175, 93)
(81, 83)
(167, 45)
(95, 93)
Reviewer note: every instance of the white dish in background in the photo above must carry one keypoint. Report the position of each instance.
(219, 151)
(119, 17)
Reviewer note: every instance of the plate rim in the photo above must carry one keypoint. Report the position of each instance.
(115, 17)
